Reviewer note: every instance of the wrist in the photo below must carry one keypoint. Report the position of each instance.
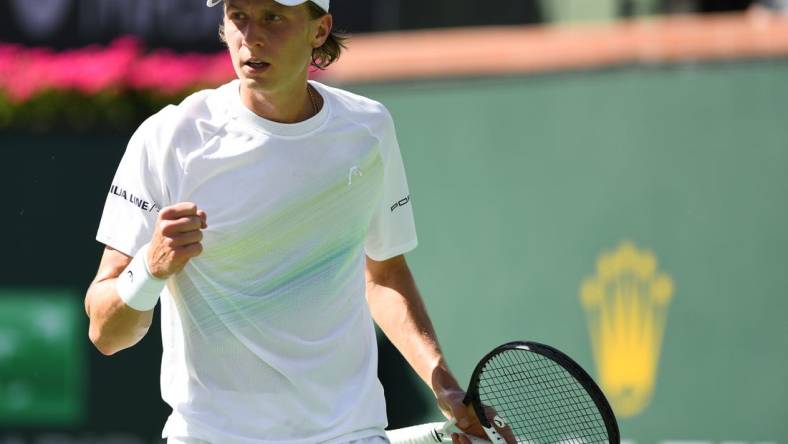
(443, 379)
(137, 286)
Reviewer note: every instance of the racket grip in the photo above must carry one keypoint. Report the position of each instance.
(430, 433)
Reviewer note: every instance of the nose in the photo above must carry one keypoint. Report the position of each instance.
(254, 35)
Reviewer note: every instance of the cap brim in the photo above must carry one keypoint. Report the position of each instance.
(281, 2)
(291, 2)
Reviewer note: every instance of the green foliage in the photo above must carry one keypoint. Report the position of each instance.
(72, 110)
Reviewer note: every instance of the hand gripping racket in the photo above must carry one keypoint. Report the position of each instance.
(536, 395)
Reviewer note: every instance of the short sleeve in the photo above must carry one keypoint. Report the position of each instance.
(135, 196)
(392, 230)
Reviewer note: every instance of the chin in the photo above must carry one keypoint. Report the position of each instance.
(254, 83)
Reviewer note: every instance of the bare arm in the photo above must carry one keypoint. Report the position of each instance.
(114, 326)
(398, 309)
(177, 237)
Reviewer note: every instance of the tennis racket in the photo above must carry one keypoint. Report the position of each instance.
(526, 392)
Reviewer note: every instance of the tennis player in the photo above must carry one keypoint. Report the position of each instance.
(270, 216)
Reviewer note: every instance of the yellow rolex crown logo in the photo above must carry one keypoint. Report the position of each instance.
(626, 306)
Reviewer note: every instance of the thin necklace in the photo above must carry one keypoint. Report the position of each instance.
(312, 99)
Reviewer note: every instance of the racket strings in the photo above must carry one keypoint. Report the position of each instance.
(546, 410)
(554, 419)
(540, 400)
(546, 414)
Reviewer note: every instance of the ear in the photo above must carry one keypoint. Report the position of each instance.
(322, 30)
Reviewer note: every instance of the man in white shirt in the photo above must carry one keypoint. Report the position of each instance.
(263, 213)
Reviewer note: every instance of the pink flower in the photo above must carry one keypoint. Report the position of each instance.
(170, 73)
(120, 66)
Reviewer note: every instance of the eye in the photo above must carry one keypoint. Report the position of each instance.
(236, 15)
(273, 17)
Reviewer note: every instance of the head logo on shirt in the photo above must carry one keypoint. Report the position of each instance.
(354, 171)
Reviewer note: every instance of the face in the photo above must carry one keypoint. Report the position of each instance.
(271, 44)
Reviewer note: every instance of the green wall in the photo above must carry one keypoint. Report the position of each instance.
(521, 184)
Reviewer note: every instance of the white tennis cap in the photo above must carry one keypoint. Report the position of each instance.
(322, 3)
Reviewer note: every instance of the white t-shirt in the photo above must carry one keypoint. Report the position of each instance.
(267, 335)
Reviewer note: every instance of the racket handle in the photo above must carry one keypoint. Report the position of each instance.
(430, 433)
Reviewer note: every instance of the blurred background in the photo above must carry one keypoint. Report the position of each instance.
(605, 176)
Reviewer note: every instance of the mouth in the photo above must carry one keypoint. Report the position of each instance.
(256, 64)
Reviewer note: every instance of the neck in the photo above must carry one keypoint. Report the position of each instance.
(286, 105)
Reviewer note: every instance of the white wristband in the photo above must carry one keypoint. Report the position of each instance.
(136, 286)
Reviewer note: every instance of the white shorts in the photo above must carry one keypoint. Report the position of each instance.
(370, 440)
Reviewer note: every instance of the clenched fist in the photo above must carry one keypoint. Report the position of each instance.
(176, 238)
